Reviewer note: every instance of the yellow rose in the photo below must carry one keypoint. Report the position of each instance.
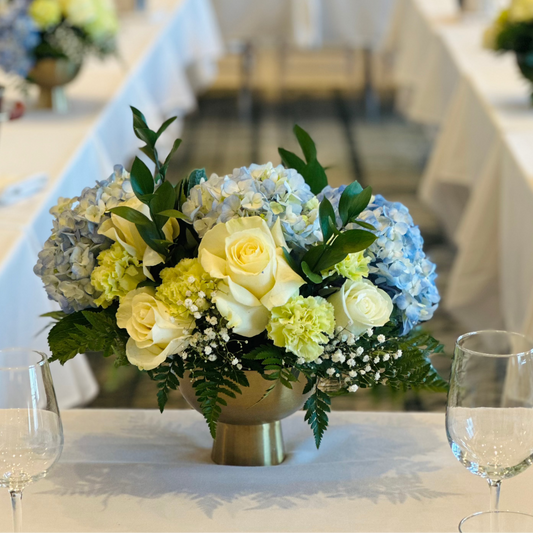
(45, 13)
(248, 257)
(154, 334)
(360, 305)
(121, 230)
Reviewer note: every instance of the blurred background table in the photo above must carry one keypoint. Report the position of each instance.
(167, 53)
(142, 471)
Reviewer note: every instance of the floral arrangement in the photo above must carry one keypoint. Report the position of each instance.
(512, 31)
(267, 269)
(57, 29)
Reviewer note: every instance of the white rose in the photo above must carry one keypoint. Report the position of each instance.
(360, 305)
(248, 257)
(154, 334)
(121, 230)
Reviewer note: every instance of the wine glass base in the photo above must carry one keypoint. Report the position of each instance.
(497, 522)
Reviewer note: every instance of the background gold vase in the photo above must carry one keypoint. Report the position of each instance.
(51, 75)
(249, 430)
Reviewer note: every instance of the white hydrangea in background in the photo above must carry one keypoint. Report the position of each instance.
(69, 255)
(259, 190)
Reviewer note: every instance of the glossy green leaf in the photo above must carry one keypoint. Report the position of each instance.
(349, 242)
(291, 160)
(174, 213)
(352, 203)
(132, 215)
(364, 224)
(163, 200)
(164, 126)
(327, 217)
(315, 278)
(146, 135)
(306, 143)
(139, 120)
(141, 178)
(315, 176)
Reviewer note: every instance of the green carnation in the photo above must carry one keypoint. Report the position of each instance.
(302, 325)
(353, 266)
(117, 274)
(186, 282)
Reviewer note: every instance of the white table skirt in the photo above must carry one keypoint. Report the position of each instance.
(307, 23)
(142, 471)
(167, 52)
(479, 101)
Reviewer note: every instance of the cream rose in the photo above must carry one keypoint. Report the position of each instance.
(248, 257)
(360, 305)
(154, 334)
(121, 230)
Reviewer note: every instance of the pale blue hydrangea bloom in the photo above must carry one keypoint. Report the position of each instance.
(259, 190)
(69, 255)
(18, 38)
(398, 262)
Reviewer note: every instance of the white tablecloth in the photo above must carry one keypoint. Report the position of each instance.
(166, 52)
(307, 23)
(142, 471)
(479, 101)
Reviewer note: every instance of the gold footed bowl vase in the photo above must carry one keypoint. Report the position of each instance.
(249, 429)
(51, 76)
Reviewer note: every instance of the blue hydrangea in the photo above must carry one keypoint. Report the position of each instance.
(398, 262)
(18, 37)
(69, 255)
(259, 190)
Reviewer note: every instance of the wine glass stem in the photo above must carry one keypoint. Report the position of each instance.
(494, 487)
(16, 504)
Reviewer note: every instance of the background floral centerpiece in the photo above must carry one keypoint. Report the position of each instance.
(266, 272)
(512, 31)
(46, 41)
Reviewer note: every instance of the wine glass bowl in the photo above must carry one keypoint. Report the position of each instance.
(31, 433)
(489, 416)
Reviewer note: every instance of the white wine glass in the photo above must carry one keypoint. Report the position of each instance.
(489, 417)
(31, 433)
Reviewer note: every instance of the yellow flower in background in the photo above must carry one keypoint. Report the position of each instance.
(521, 11)
(79, 12)
(187, 280)
(353, 266)
(105, 22)
(490, 35)
(302, 326)
(45, 13)
(118, 273)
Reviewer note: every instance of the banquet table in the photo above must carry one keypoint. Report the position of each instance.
(481, 107)
(143, 471)
(167, 53)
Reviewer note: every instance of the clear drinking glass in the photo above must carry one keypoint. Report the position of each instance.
(508, 521)
(31, 434)
(489, 418)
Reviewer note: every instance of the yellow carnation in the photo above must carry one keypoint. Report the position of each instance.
(302, 325)
(353, 266)
(118, 273)
(45, 13)
(521, 11)
(186, 281)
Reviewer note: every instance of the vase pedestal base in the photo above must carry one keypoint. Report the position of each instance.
(254, 445)
(53, 98)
